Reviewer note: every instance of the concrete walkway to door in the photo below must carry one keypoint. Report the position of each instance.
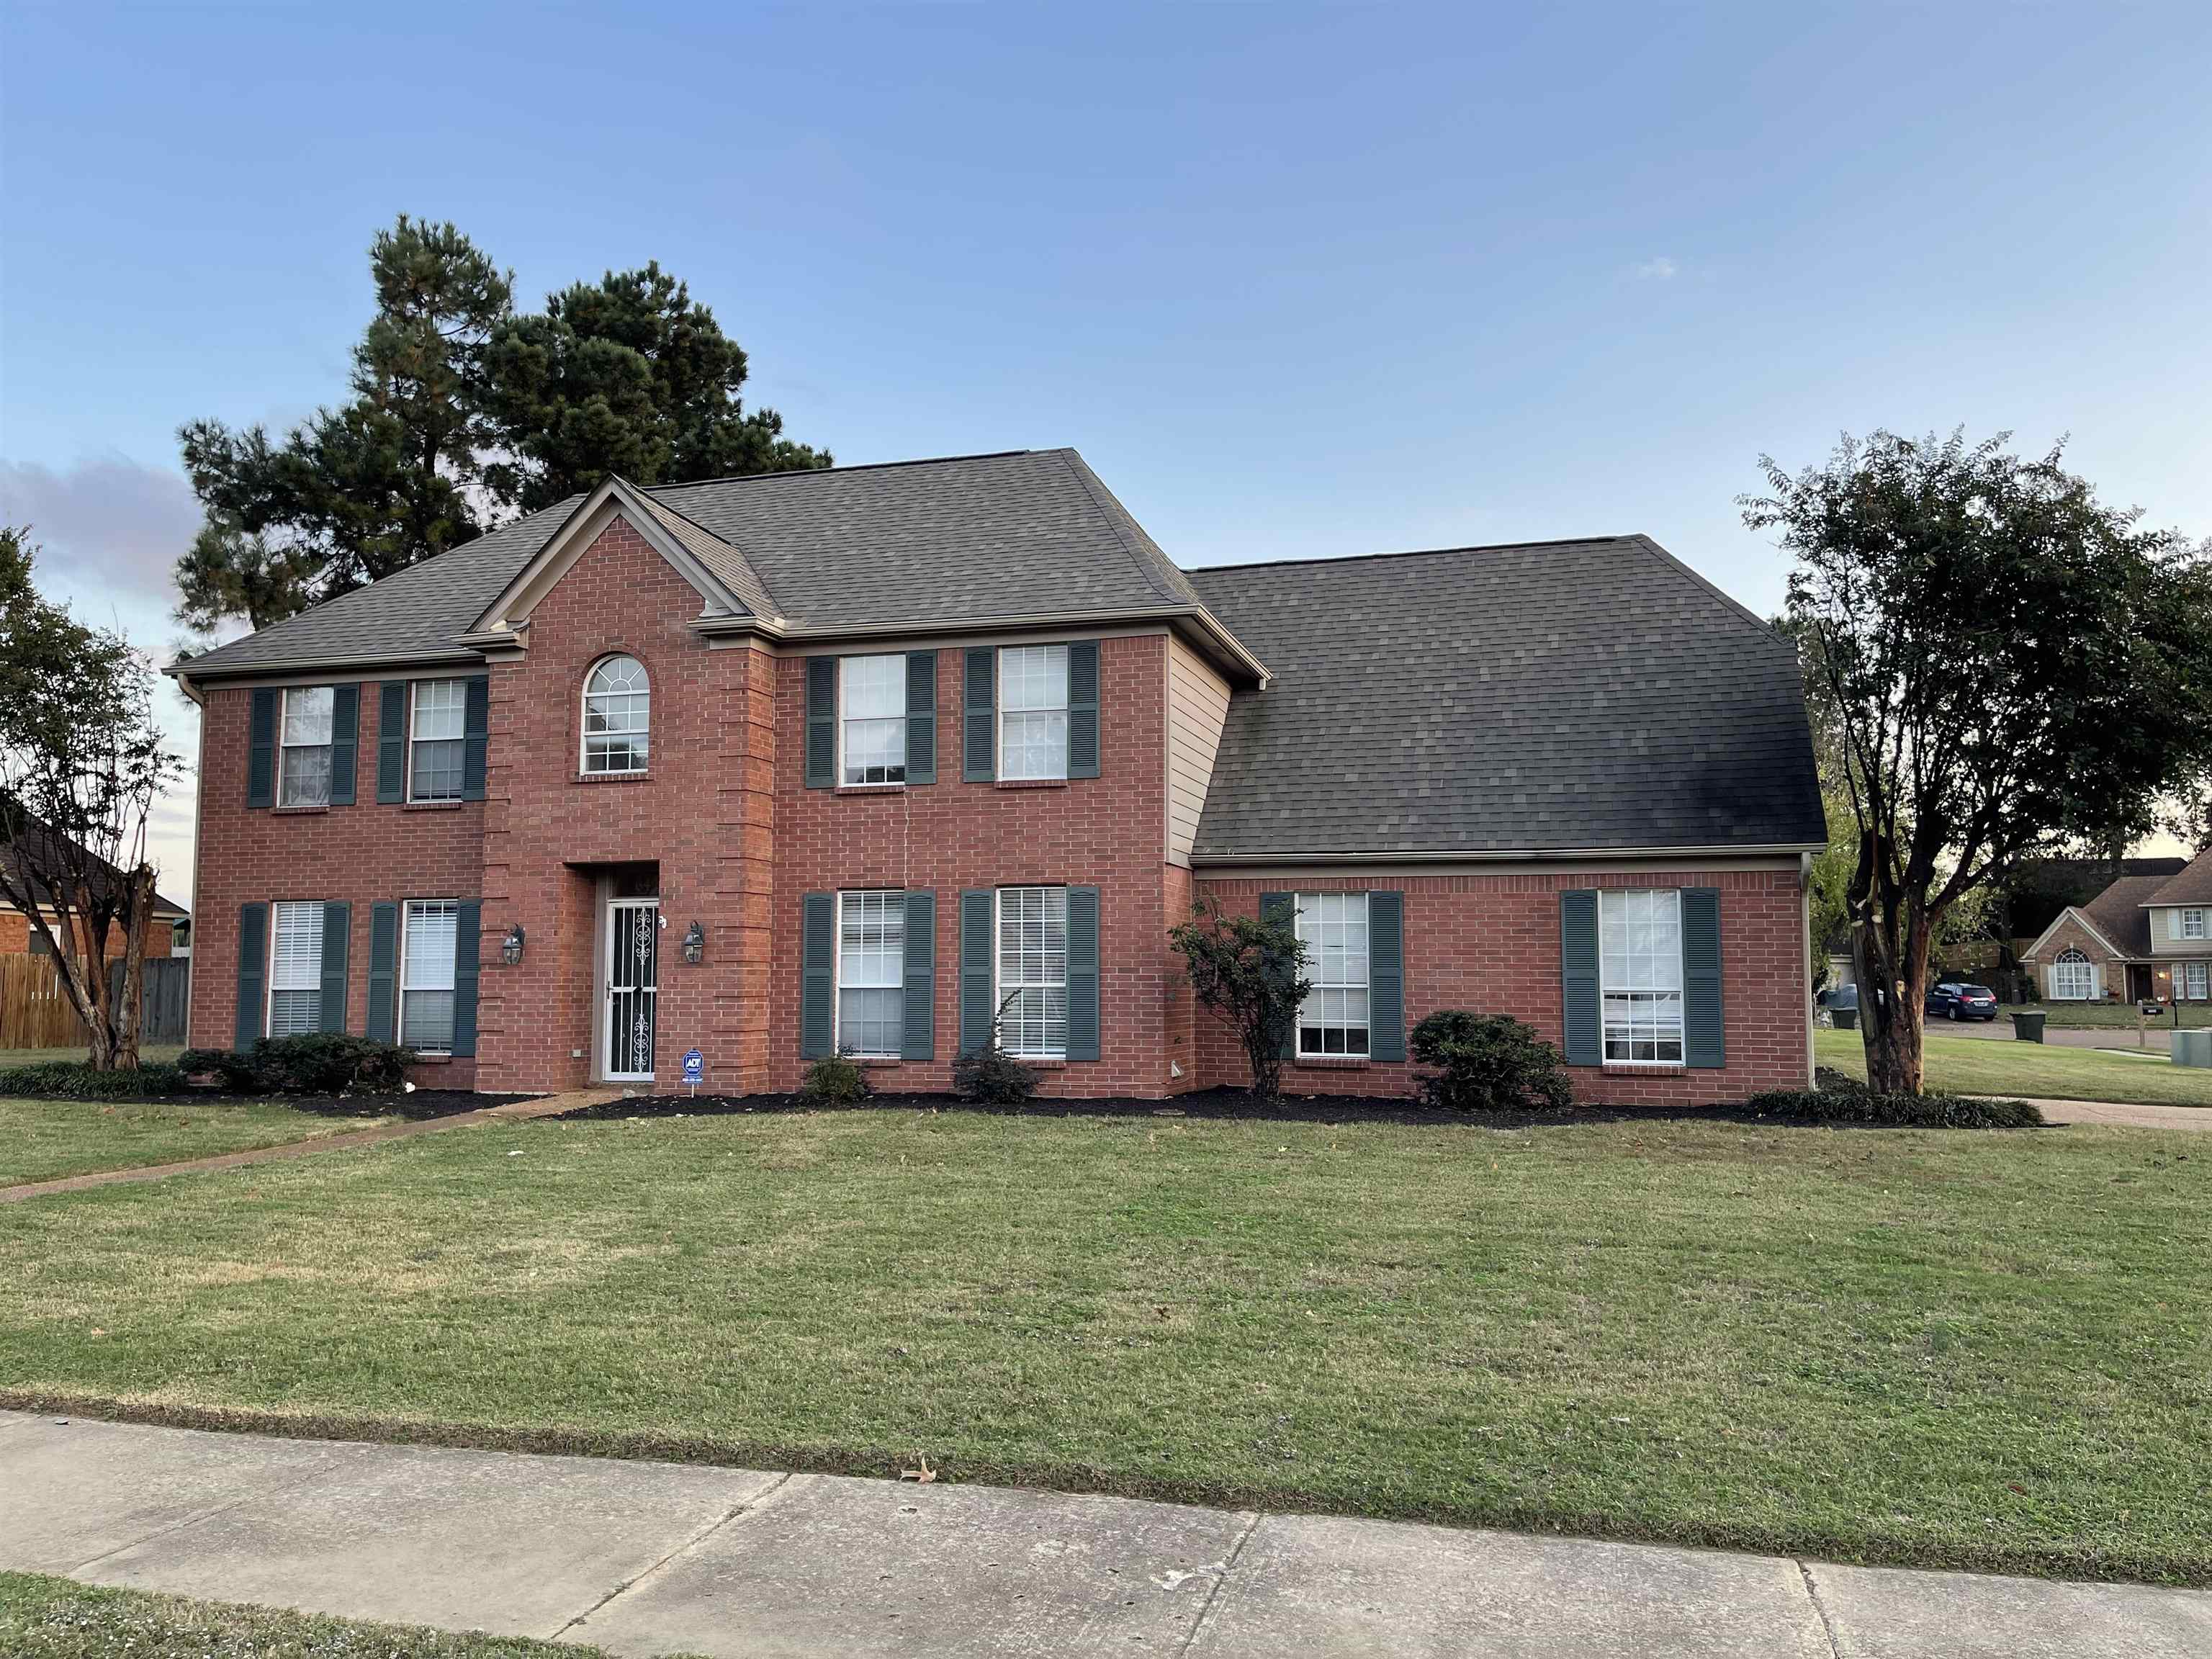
(649, 1559)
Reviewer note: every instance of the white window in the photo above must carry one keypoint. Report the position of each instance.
(304, 771)
(439, 735)
(2192, 924)
(426, 975)
(1033, 711)
(2199, 980)
(1639, 947)
(871, 974)
(873, 730)
(295, 970)
(2072, 978)
(1333, 929)
(1033, 972)
(616, 708)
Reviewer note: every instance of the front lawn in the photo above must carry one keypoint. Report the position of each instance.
(1976, 1065)
(46, 1618)
(47, 1139)
(1976, 1349)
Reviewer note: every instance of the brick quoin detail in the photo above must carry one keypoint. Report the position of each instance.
(724, 827)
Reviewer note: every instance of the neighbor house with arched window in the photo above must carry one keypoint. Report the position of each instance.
(2143, 939)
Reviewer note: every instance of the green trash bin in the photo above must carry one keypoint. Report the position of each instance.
(1847, 1020)
(2028, 1028)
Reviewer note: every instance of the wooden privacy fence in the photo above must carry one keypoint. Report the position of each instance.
(35, 1012)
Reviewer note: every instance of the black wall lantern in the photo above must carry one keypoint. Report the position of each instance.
(695, 944)
(510, 948)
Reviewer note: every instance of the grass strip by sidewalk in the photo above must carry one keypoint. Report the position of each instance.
(1929, 1347)
(47, 1139)
(1978, 1066)
(47, 1617)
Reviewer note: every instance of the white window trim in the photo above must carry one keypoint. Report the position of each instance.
(584, 719)
(837, 972)
(2182, 920)
(399, 1005)
(414, 697)
(2072, 958)
(269, 972)
(998, 959)
(1298, 1041)
(328, 745)
(1000, 711)
(2196, 981)
(1682, 975)
(842, 783)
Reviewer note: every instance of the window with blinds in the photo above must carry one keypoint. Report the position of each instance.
(295, 969)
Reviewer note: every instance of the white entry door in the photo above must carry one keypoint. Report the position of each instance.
(633, 965)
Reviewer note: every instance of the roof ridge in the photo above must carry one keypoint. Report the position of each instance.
(857, 466)
(1092, 486)
(1408, 553)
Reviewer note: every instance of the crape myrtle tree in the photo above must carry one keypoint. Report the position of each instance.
(2006, 667)
(1249, 973)
(81, 761)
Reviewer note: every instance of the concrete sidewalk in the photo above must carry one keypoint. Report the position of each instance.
(650, 1558)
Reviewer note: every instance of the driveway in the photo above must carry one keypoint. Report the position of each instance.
(651, 1558)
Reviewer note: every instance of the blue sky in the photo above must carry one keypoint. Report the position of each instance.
(1299, 282)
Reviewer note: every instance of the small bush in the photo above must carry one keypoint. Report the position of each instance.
(1488, 1063)
(312, 1063)
(235, 1071)
(992, 1075)
(836, 1080)
(74, 1080)
(1856, 1104)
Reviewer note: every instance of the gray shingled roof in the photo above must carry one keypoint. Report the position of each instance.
(2117, 913)
(1589, 695)
(964, 539)
(2192, 886)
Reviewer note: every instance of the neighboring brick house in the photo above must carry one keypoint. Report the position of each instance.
(2142, 938)
(19, 937)
(772, 766)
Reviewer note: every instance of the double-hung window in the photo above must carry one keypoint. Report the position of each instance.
(1032, 993)
(438, 737)
(874, 718)
(2192, 924)
(2073, 977)
(1333, 927)
(1033, 711)
(618, 710)
(295, 970)
(2199, 980)
(304, 767)
(871, 974)
(426, 975)
(1640, 966)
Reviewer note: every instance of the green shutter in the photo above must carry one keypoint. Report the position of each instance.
(475, 734)
(976, 985)
(921, 717)
(1703, 1040)
(345, 742)
(1583, 1029)
(392, 741)
(919, 1039)
(1082, 973)
(252, 973)
(261, 752)
(468, 944)
(817, 956)
(1083, 709)
(1283, 910)
(821, 722)
(979, 708)
(337, 940)
(383, 972)
(1386, 975)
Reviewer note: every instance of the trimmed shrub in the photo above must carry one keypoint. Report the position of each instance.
(836, 1080)
(1859, 1104)
(235, 1071)
(74, 1080)
(312, 1063)
(992, 1075)
(1488, 1063)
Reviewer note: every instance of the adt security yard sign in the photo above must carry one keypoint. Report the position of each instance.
(694, 1068)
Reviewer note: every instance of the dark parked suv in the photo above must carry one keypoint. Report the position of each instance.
(1956, 999)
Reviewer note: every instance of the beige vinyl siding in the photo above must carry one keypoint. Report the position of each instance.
(2166, 939)
(1198, 704)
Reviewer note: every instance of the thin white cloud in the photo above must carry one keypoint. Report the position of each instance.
(110, 525)
(1659, 269)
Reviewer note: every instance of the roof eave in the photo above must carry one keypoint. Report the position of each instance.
(1507, 854)
(188, 674)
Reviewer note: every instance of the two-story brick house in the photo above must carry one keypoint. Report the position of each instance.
(2144, 938)
(769, 767)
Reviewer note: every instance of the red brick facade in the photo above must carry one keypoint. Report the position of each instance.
(15, 935)
(723, 828)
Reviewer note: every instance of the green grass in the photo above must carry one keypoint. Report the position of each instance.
(47, 1139)
(152, 1054)
(2106, 1016)
(43, 1618)
(1976, 1065)
(1987, 1349)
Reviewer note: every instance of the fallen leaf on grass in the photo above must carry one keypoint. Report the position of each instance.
(924, 1475)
